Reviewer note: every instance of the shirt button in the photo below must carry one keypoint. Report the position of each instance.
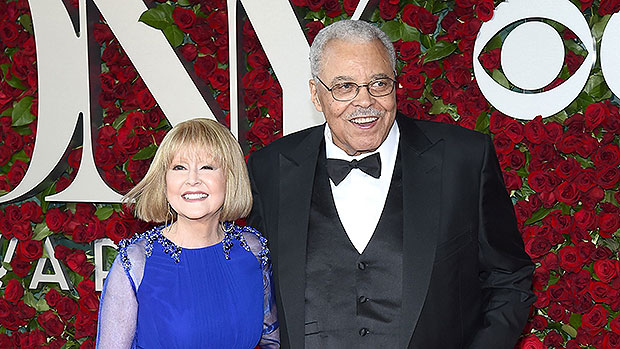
(361, 265)
(362, 299)
(364, 331)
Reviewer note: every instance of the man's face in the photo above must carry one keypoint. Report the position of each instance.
(361, 124)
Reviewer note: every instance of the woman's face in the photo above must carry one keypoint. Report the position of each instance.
(195, 185)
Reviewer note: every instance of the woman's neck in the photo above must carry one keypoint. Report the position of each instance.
(194, 233)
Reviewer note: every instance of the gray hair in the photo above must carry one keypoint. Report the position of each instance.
(351, 31)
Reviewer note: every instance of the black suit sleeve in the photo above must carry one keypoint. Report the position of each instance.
(505, 269)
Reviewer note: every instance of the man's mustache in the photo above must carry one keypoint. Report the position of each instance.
(369, 111)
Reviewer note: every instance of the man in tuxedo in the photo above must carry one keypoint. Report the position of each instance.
(386, 234)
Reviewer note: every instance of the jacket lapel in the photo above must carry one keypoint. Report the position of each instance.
(297, 167)
(422, 164)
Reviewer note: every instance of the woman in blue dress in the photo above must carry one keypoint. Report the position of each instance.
(198, 280)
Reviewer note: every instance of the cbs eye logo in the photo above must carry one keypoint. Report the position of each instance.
(532, 56)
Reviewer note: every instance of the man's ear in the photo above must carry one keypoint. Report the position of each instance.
(314, 95)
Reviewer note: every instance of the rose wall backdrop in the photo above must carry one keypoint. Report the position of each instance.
(562, 172)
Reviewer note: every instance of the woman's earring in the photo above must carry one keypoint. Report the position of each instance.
(169, 214)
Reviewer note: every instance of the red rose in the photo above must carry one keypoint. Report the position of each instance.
(419, 17)
(13, 214)
(611, 340)
(573, 61)
(85, 325)
(262, 131)
(9, 33)
(530, 342)
(55, 219)
(512, 180)
(32, 211)
(569, 259)
(145, 99)
(189, 51)
(607, 155)
(458, 76)
(484, 10)
(503, 144)
(607, 177)
(567, 193)
(556, 312)
(66, 308)
(606, 269)
(387, 10)
(5, 154)
(204, 67)
(13, 291)
(608, 224)
(594, 115)
(600, 291)
(608, 7)
(30, 250)
(332, 8)
(553, 339)
(89, 302)
(258, 78)
(412, 79)
(78, 262)
(223, 99)
(20, 266)
(88, 344)
(52, 297)
(593, 321)
(183, 18)
(491, 60)
(315, 5)
(219, 79)
(51, 323)
(534, 131)
(25, 312)
(568, 168)
(116, 229)
(409, 50)
(102, 33)
(218, 20)
(537, 246)
(350, 6)
(615, 324)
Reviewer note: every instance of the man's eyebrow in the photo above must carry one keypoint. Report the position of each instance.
(341, 78)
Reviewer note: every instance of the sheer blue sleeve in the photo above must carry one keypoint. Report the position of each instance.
(271, 330)
(118, 307)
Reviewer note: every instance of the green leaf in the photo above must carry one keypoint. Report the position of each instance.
(596, 87)
(392, 29)
(174, 35)
(71, 206)
(440, 50)
(104, 212)
(23, 130)
(41, 231)
(427, 42)
(29, 299)
(156, 18)
(26, 22)
(438, 107)
(482, 123)
(41, 305)
(20, 155)
(599, 27)
(145, 153)
(7, 112)
(120, 120)
(7, 266)
(184, 3)
(409, 33)
(538, 215)
(500, 78)
(575, 320)
(48, 191)
(21, 112)
(495, 42)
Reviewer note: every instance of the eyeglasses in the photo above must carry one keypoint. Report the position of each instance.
(346, 91)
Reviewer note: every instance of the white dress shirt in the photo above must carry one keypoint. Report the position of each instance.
(360, 198)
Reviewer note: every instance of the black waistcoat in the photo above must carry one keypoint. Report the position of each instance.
(353, 300)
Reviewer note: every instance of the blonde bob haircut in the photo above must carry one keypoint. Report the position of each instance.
(148, 197)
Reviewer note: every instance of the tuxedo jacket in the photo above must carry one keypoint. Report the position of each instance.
(466, 277)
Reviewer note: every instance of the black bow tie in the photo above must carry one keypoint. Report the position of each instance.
(339, 169)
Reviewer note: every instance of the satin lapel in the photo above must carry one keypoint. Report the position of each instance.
(297, 168)
(422, 164)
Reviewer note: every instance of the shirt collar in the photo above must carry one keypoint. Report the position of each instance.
(387, 149)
